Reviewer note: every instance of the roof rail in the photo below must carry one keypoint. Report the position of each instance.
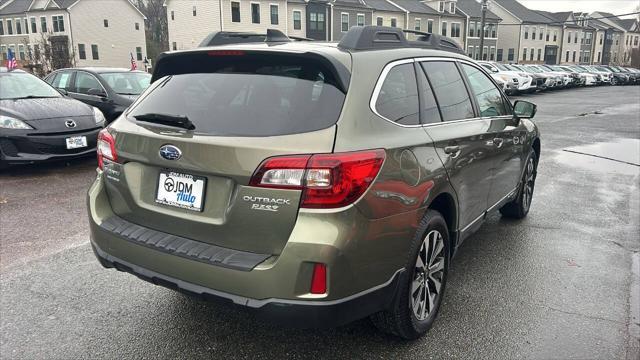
(383, 37)
(217, 38)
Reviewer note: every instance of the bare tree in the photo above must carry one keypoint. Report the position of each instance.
(48, 53)
(156, 27)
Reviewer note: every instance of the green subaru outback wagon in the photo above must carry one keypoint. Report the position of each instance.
(315, 183)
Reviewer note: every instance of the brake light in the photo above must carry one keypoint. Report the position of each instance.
(326, 180)
(226, 53)
(106, 148)
(319, 279)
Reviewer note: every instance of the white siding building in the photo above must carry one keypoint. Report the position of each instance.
(93, 32)
(190, 21)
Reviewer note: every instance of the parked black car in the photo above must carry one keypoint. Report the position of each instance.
(37, 123)
(111, 90)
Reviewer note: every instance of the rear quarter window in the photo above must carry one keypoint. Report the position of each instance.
(249, 96)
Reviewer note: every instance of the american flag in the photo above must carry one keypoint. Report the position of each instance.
(11, 60)
(134, 65)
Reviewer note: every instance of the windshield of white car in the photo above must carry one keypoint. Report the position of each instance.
(502, 67)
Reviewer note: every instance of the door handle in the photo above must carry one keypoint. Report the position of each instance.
(498, 142)
(452, 150)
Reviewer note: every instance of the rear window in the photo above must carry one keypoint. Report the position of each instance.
(248, 95)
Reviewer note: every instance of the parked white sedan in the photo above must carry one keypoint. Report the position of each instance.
(518, 81)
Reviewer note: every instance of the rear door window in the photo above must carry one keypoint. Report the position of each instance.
(248, 96)
(450, 90)
(62, 80)
(489, 98)
(398, 97)
(86, 82)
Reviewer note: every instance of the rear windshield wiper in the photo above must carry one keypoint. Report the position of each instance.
(169, 120)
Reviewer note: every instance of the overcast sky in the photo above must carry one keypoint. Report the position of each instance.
(615, 7)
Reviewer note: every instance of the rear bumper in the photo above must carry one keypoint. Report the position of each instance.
(293, 313)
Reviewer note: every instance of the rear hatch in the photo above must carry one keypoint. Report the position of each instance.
(191, 180)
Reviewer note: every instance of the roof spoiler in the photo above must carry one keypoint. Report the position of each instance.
(218, 38)
(384, 37)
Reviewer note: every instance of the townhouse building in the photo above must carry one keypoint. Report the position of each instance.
(617, 34)
(349, 13)
(451, 22)
(472, 10)
(418, 16)
(73, 32)
(526, 36)
(386, 13)
(631, 41)
(576, 45)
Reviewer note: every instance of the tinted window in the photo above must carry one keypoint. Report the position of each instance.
(429, 112)
(128, 83)
(248, 96)
(62, 80)
(449, 90)
(488, 96)
(86, 82)
(398, 97)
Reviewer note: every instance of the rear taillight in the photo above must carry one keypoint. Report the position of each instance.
(319, 279)
(326, 180)
(106, 148)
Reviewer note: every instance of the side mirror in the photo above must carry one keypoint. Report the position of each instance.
(63, 91)
(97, 92)
(524, 109)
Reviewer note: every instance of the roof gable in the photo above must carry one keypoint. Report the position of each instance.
(522, 12)
(472, 8)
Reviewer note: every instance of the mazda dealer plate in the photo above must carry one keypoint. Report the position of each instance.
(181, 190)
(76, 142)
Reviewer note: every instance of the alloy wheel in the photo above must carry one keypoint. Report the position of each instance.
(428, 275)
(529, 182)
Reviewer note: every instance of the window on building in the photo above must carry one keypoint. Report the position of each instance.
(477, 57)
(533, 33)
(441, 6)
(455, 30)
(532, 54)
(492, 53)
(58, 23)
(416, 26)
(9, 27)
(524, 54)
(194, 11)
(598, 57)
(511, 55)
(137, 26)
(26, 25)
(82, 52)
(360, 20)
(398, 97)
(18, 27)
(499, 55)
(94, 52)
(173, 15)
(174, 46)
(139, 53)
(575, 37)
(589, 38)
(485, 53)
(547, 38)
(452, 7)
(274, 14)
(601, 39)
(569, 37)
(313, 21)
(3, 52)
(321, 21)
(526, 32)
(635, 41)
(297, 20)
(555, 35)
(106, 23)
(344, 21)
(541, 33)
(43, 24)
(486, 31)
(470, 51)
(539, 54)
(626, 40)
(1, 27)
(567, 57)
(34, 25)
(449, 89)
(379, 21)
(444, 28)
(235, 11)
(574, 57)
(472, 29)
(21, 53)
(430, 26)
(255, 13)
(494, 30)
(488, 97)
(394, 22)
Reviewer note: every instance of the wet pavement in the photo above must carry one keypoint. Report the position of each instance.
(559, 284)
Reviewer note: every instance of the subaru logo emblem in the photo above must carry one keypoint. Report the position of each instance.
(70, 124)
(170, 152)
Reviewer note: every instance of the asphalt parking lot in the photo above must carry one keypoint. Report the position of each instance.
(563, 283)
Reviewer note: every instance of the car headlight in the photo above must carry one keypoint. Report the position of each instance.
(98, 116)
(7, 122)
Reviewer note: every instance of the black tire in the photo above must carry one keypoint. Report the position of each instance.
(518, 208)
(400, 319)
(614, 81)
